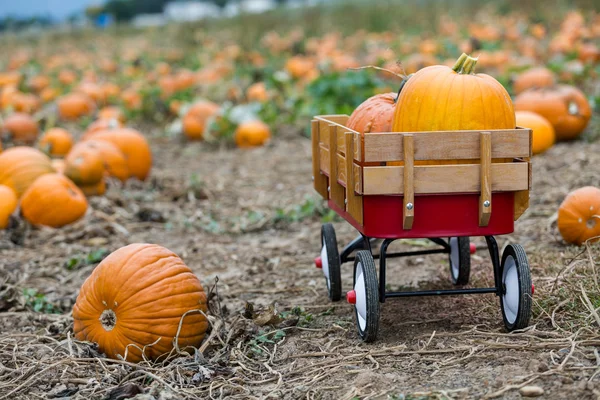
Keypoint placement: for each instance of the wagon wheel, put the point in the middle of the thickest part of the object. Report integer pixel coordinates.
(365, 296)
(460, 260)
(330, 262)
(515, 300)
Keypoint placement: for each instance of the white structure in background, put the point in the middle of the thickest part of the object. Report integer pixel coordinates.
(186, 11)
(234, 8)
(148, 20)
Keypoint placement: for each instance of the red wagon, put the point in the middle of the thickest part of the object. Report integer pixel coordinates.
(439, 185)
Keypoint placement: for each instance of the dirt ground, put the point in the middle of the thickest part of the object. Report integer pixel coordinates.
(218, 209)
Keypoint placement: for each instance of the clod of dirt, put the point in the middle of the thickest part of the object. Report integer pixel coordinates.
(150, 215)
(531, 391)
(126, 391)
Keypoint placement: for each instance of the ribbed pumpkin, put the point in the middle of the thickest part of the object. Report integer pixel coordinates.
(56, 142)
(537, 77)
(75, 105)
(439, 98)
(134, 147)
(84, 165)
(137, 297)
(543, 132)
(53, 200)
(21, 128)
(8, 205)
(252, 134)
(20, 166)
(566, 107)
(194, 121)
(579, 215)
(114, 161)
(374, 115)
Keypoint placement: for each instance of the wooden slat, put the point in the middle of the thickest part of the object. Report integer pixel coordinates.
(409, 192)
(337, 192)
(319, 179)
(341, 167)
(326, 120)
(456, 145)
(354, 204)
(521, 203)
(485, 198)
(431, 179)
(324, 151)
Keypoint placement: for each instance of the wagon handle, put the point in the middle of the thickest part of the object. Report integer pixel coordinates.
(485, 199)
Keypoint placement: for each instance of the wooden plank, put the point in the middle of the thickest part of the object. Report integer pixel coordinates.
(325, 121)
(324, 158)
(455, 145)
(337, 192)
(432, 179)
(319, 179)
(341, 168)
(485, 198)
(409, 193)
(521, 203)
(354, 203)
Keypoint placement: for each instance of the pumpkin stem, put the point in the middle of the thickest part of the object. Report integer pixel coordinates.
(108, 319)
(465, 64)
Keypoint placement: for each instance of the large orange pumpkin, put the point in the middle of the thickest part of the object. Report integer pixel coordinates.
(53, 200)
(101, 125)
(21, 128)
(374, 114)
(84, 165)
(134, 147)
(194, 121)
(564, 106)
(440, 98)
(537, 77)
(8, 205)
(137, 297)
(579, 215)
(21, 166)
(543, 132)
(252, 134)
(114, 161)
(56, 142)
(75, 105)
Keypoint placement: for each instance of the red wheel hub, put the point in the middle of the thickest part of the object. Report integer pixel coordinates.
(532, 289)
(351, 297)
(472, 248)
(318, 262)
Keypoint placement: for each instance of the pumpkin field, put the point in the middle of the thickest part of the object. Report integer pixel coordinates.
(159, 226)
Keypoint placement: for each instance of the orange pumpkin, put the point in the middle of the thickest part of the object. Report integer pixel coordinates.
(533, 78)
(543, 132)
(56, 142)
(97, 189)
(75, 105)
(134, 147)
(114, 161)
(194, 121)
(20, 166)
(440, 98)
(252, 134)
(101, 125)
(84, 166)
(137, 297)
(20, 128)
(579, 215)
(8, 205)
(111, 112)
(67, 77)
(257, 92)
(566, 107)
(53, 200)
(26, 102)
(374, 114)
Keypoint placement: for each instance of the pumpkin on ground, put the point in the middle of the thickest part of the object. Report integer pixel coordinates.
(20, 128)
(440, 98)
(252, 134)
(56, 142)
(579, 215)
(95, 189)
(138, 297)
(20, 166)
(566, 107)
(8, 205)
(537, 77)
(101, 125)
(195, 120)
(134, 147)
(53, 200)
(84, 165)
(75, 105)
(543, 132)
(114, 161)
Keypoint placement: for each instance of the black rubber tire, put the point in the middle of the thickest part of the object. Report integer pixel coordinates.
(334, 283)
(524, 283)
(371, 329)
(464, 261)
